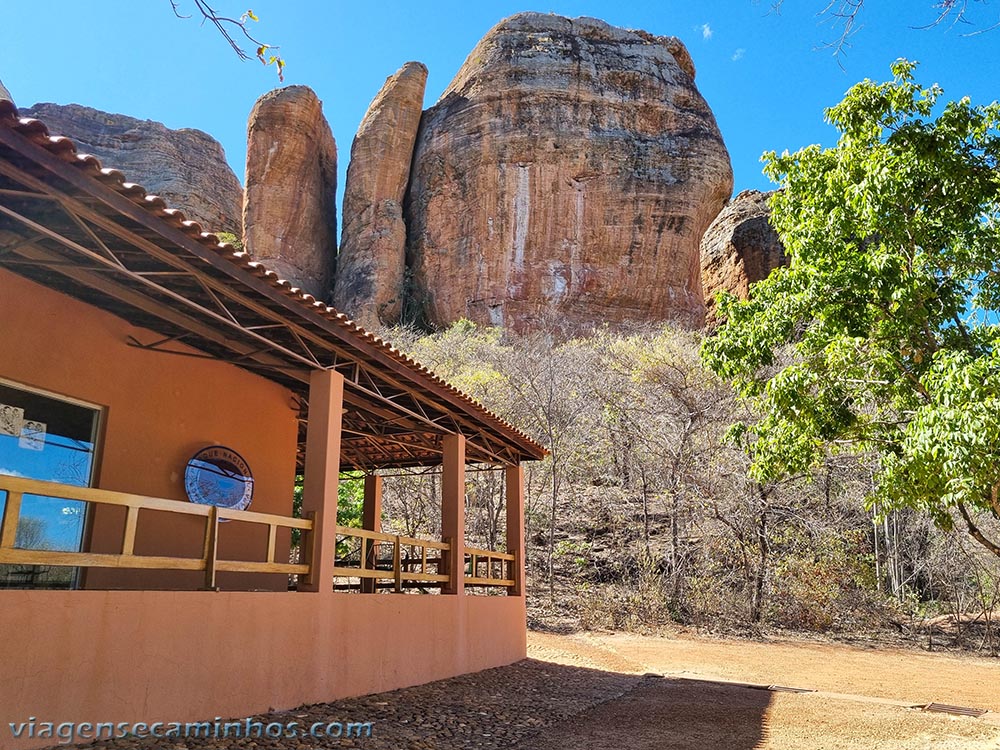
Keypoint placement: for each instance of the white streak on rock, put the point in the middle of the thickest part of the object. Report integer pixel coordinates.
(522, 210)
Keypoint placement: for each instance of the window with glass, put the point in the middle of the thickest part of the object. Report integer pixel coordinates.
(53, 439)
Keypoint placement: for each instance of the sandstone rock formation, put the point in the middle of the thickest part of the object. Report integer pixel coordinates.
(739, 248)
(372, 261)
(185, 167)
(289, 207)
(568, 172)
(4, 93)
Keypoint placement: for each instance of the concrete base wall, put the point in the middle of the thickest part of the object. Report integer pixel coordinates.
(146, 656)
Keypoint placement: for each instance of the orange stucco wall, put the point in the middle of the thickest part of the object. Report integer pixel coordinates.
(159, 655)
(99, 656)
(158, 410)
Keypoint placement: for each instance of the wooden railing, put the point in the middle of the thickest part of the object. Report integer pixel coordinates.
(374, 556)
(370, 556)
(487, 568)
(16, 488)
(401, 560)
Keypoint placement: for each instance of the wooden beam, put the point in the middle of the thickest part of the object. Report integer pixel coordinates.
(98, 560)
(362, 399)
(14, 484)
(313, 326)
(160, 311)
(478, 581)
(70, 206)
(369, 349)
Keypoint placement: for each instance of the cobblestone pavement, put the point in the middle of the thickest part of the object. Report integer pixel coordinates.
(496, 708)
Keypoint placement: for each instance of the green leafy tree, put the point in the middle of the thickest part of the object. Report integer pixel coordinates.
(881, 335)
(350, 503)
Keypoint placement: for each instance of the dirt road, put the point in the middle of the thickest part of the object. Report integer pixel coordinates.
(710, 696)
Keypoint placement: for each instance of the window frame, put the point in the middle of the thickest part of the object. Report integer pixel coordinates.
(98, 437)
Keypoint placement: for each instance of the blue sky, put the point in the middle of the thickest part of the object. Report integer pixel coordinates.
(764, 74)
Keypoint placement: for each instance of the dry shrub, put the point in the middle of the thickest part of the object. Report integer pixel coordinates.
(827, 584)
(639, 604)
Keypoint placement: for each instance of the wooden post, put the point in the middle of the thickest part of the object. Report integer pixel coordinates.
(272, 542)
(453, 512)
(9, 522)
(131, 522)
(514, 495)
(372, 514)
(211, 547)
(371, 519)
(322, 473)
(397, 566)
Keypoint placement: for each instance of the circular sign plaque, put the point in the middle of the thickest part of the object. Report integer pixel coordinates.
(219, 476)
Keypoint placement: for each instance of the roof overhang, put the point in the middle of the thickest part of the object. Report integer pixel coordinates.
(71, 225)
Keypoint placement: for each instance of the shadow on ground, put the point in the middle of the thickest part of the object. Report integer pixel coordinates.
(531, 705)
(664, 714)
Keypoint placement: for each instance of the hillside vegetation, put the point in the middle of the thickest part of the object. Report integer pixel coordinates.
(807, 464)
(644, 515)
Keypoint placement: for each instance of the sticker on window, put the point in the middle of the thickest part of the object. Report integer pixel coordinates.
(32, 435)
(11, 420)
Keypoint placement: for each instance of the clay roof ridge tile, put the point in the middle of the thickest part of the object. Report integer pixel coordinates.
(32, 128)
(8, 113)
(91, 162)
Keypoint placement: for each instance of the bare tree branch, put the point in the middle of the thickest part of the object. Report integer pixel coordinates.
(229, 27)
(975, 533)
(843, 13)
(846, 15)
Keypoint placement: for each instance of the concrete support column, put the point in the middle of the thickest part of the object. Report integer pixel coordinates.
(371, 520)
(514, 497)
(322, 474)
(453, 511)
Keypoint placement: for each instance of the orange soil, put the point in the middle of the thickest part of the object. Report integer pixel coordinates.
(862, 699)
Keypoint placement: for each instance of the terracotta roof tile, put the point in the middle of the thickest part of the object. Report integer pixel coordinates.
(65, 149)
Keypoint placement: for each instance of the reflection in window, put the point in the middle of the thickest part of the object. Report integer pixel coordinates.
(53, 440)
